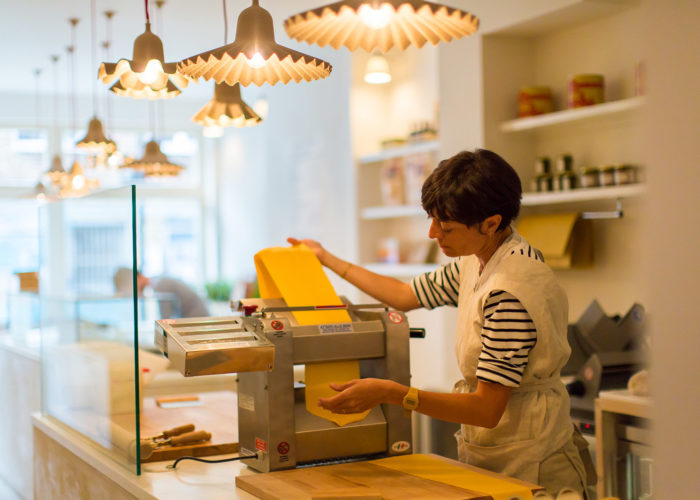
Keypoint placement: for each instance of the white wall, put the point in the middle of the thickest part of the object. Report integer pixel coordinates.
(671, 236)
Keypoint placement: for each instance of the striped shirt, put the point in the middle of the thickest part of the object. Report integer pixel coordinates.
(508, 333)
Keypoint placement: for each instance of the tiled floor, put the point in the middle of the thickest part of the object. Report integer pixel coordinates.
(6, 493)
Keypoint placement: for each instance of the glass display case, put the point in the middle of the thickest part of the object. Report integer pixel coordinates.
(101, 374)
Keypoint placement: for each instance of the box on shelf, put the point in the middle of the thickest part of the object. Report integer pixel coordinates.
(417, 167)
(392, 182)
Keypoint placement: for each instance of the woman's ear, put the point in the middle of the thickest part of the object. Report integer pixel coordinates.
(490, 224)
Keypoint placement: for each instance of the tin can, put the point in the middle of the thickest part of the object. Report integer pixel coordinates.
(567, 181)
(625, 174)
(607, 175)
(543, 165)
(534, 101)
(586, 90)
(565, 163)
(590, 177)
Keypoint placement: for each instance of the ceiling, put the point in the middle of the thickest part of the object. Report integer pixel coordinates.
(37, 29)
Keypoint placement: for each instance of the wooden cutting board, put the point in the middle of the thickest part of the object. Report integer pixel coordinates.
(359, 480)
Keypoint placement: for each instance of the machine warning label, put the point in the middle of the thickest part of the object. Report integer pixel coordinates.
(283, 448)
(395, 317)
(246, 401)
(336, 328)
(400, 446)
(260, 444)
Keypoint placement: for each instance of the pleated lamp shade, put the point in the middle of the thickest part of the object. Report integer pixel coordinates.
(154, 163)
(95, 139)
(147, 75)
(227, 109)
(380, 24)
(254, 56)
(56, 172)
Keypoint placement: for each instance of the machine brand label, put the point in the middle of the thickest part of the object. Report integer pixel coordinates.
(260, 444)
(400, 446)
(246, 402)
(276, 325)
(336, 328)
(395, 317)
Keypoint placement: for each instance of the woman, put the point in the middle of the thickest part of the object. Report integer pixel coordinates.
(511, 336)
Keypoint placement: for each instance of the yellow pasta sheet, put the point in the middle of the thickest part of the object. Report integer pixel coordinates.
(438, 470)
(296, 275)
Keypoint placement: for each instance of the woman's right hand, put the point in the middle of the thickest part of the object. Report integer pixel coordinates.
(320, 252)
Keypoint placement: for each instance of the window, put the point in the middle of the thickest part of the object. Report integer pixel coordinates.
(23, 156)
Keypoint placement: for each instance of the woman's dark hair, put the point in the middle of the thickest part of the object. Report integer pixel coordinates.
(471, 186)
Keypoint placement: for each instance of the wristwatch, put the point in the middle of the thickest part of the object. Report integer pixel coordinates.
(410, 401)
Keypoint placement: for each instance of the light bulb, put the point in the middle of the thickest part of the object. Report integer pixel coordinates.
(256, 61)
(78, 182)
(377, 70)
(151, 73)
(376, 17)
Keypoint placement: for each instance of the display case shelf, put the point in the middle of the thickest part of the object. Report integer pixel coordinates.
(392, 212)
(589, 194)
(573, 115)
(397, 152)
(400, 270)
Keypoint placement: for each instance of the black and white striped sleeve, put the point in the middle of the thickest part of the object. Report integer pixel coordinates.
(439, 287)
(507, 337)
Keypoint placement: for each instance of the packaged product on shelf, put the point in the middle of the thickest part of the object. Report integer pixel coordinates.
(392, 182)
(543, 165)
(565, 163)
(590, 177)
(607, 175)
(545, 183)
(393, 142)
(566, 181)
(586, 90)
(416, 169)
(533, 101)
(625, 174)
(388, 251)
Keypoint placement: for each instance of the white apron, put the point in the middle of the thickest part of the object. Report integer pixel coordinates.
(533, 440)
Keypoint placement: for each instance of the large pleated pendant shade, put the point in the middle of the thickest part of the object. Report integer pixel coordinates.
(254, 56)
(227, 109)
(380, 24)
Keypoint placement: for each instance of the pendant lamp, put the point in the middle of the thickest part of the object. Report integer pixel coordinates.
(380, 24)
(154, 163)
(254, 56)
(227, 109)
(95, 140)
(146, 75)
(377, 70)
(56, 171)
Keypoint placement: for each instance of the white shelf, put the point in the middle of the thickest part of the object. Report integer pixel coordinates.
(573, 115)
(397, 152)
(400, 270)
(590, 194)
(392, 212)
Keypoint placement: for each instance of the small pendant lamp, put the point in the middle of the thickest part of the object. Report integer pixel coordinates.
(380, 24)
(56, 172)
(227, 109)
(377, 70)
(254, 56)
(147, 75)
(154, 163)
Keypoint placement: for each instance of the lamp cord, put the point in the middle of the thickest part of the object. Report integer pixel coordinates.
(56, 138)
(37, 97)
(93, 53)
(225, 24)
(148, 19)
(71, 56)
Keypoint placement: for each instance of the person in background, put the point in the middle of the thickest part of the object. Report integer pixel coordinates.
(188, 303)
(511, 338)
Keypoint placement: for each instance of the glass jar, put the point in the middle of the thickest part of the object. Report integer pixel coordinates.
(565, 163)
(567, 181)
(590, 177)
(545, 183)
(607, 175)
(625, 174)
(543, 165)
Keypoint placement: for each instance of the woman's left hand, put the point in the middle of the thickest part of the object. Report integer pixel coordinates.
(356, 396)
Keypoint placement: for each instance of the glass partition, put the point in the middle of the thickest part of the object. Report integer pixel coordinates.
(90, 366)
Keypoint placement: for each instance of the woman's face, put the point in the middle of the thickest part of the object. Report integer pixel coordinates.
(456, 239)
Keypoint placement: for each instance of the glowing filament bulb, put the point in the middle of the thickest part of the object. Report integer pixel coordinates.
(78, 182)
(376, 17)
(151, 73)
(256, 61)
